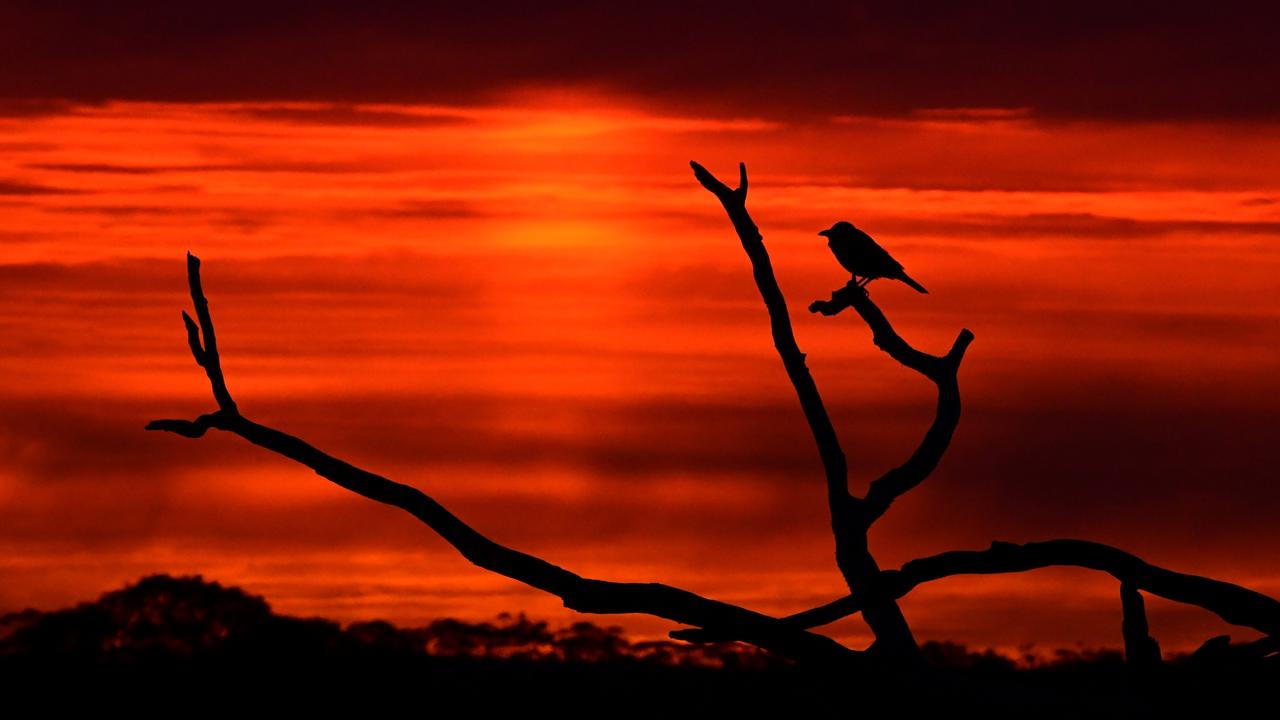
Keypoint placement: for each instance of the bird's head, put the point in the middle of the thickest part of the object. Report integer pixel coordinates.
(840, 229)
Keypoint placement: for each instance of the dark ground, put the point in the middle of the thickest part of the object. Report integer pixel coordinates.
(181, 645)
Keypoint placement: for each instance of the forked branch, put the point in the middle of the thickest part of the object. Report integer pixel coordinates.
(942, 370)
(734, 201)
(1233, 603)
(578, 593)
(849, 515)
(872, 592)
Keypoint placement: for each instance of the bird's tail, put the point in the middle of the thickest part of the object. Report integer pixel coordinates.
(907, 279)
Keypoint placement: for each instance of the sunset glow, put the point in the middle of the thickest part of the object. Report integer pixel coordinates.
(525, 306)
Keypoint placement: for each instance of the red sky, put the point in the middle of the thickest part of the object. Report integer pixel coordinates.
(470, 255)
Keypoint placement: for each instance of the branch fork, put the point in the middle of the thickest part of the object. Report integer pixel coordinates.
(577, 592)
(873, 592)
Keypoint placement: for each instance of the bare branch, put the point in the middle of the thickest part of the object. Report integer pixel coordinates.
(577, 592)
(207, 357)
(193, 338)
(187, 428)
(942, 370)
(848, 515)
(1235, 604)
(1141, 651)
(784, 339)
(888, 339)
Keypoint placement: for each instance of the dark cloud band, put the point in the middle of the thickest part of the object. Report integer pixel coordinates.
(1137, 60)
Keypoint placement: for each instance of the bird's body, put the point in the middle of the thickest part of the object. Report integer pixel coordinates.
(863, 256)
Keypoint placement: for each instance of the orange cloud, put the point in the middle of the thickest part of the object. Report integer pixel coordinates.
(531, 311)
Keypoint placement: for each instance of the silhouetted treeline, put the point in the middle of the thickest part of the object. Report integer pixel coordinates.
(161, 617)
(174, 618)
(164, 638)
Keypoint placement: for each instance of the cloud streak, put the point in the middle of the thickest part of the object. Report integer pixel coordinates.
(534, 315)
(1143, 61)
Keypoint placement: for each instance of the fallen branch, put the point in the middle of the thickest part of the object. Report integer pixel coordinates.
(578, 593)
(1235, 604)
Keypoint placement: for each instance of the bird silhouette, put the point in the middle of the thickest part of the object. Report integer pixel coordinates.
(862, 256)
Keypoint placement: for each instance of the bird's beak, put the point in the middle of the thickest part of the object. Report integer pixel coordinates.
(825, 233)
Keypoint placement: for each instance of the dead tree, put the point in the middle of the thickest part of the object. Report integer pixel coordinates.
(873, 592)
